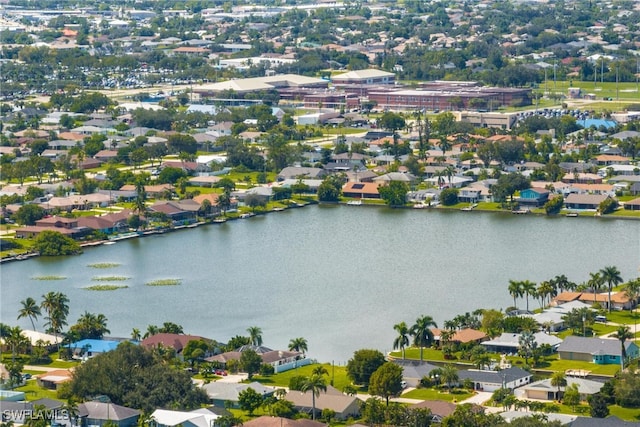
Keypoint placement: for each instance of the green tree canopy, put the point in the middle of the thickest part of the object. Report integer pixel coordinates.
(135, 377)
(386, 381)
(54, 243)
(363, 364)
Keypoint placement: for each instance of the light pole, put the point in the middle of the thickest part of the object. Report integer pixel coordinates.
(584, 330)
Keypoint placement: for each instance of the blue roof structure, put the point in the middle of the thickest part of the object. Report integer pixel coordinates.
(597, 123)
(95, 346)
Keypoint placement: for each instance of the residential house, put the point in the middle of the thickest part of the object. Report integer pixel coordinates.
(440, 409)
(180, 212)
(312, 184)
(197, 418)
(67, 226)
(601, 351)
(343, 405)
(189, 167)
(510, 378)
(361, 190)
(387, 178)
(153, 191)
(98, 414)
(584, 201)
(221, 392)
(610, 421)
(110, 223)
(53, 380)
(175, 341)
(292, 172)
(633, 205)
(543, 390)
(534, 197)
(413, 370)
(462, 336)
(609, 159)
(281, 360)
(509, 343)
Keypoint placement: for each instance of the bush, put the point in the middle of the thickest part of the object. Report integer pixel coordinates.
(449, 196)
(266, 370)
(295, 383)
(607, 206)
(554, 205)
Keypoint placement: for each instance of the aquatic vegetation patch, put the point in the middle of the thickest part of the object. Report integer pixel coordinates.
(48, 278)
(164, 282)
(104, 265)
(109, 287)
(109, 278)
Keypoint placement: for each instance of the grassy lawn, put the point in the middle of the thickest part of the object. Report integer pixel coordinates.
(33, 392)
(414, 353)
(338, 373)
(624, 317)
(456, 395)
(554, 364)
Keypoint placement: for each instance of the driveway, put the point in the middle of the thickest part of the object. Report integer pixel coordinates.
(479, 398)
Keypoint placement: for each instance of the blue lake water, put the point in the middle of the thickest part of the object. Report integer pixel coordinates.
(340, 276)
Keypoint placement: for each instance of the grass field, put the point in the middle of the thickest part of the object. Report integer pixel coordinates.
(337, 374)
(456, 395)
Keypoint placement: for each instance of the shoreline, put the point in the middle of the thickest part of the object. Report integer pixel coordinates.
(139, 234)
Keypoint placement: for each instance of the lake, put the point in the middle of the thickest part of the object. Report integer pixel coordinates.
(339, 276)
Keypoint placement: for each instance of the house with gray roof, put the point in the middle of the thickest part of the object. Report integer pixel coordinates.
(293, 172)
(220, 392)
(343, 405)
(414, 370)
(510, 378)
(101, 413)
(611, 421)
(198, 418)
(510, 343)
(601, 351)
(544, 390)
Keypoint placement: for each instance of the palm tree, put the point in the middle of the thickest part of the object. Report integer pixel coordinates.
(515, 290)
(319, 370)
(255, 335)
(135, 334)
(30, 309)
(315, 384)
(632, 291)
(449, 375)
(562, 283)
(545, 289)
(529, 288)
(56, 304)
(151, 331)
(298, 344)
(595, 282)
(558, 380)
(611, 276)
(402, 340)
(623, 333)
(421, 331)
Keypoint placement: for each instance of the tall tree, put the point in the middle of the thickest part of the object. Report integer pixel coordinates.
(558, 380)
(623, 334)
(528, 288)
(421, 331)
(31, 310)
(255, 334)
(298, 344)
(402, 339)
(386, 381)
(56, 304)
(611, 276)
(449, 375)
(515, 290)
(315, 384)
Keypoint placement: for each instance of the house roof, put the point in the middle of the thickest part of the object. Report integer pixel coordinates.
(199, 418)
(57, 376)
(106, 411)
(463, 335)
(611, 421)
(567, 296)
(508, 339)
(437, 407)
(331, 399)
(494, 377)
(584, 386)
(230, 391)
(585, 199)
(95, 346)
(574, 344)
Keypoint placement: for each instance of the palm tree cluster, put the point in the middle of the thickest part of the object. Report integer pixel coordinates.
(89, 326)
(544, 291)
(420, 331)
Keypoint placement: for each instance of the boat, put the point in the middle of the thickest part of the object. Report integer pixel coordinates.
(220, 220)
(247, 215)
(521, 211)
(354, 202)
(110, 243)
(278, 209)
(419, 206)
(571, 215)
